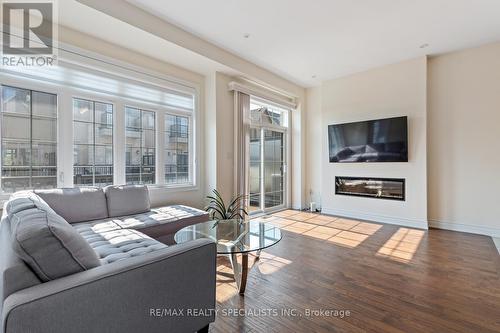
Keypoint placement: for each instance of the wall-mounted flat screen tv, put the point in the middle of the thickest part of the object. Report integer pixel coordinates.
(382, 140)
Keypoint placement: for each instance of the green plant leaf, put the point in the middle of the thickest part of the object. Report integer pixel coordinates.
(215, 209)
(220, 199)
(236, 207)
(217, 202)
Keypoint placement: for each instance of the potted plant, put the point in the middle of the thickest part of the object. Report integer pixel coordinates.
(218, 210)
(229, 218)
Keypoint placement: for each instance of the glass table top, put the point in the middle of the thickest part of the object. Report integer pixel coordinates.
(232, 236)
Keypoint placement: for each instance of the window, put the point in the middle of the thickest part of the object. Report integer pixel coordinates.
(92, 143)
(140, 146)
(267, 115)
(38, 150)
(29, 139)
(176, 156)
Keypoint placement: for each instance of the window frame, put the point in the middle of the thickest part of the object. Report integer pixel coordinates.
(65, 95)
(140, 109)
(191, 148)
(38, 89)
(113, 137)
(160, 112)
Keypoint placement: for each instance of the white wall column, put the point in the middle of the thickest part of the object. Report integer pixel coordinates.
(160, 147)
(65, 139)
(119, 143)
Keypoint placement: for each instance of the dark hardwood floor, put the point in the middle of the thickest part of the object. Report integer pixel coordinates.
(389, 279)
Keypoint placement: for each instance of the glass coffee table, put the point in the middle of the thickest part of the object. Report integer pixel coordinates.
(234, 237)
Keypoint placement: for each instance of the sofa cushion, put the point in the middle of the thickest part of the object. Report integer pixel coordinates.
(18, 204)
(143, 220)
(159, 216)
(98, 226)
(24, 200)
(121, 244)
(49, 245)
(76, 204)
(127, 199)
(180, 211)
(15, 273)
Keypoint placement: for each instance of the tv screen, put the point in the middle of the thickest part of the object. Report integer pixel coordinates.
(382, 140)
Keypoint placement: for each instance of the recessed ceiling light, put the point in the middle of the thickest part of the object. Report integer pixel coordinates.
(246, 35)
(423, 46)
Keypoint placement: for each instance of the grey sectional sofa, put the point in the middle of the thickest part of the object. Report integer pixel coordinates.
(101, 260)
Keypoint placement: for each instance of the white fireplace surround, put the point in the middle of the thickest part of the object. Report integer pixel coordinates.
(361, 97)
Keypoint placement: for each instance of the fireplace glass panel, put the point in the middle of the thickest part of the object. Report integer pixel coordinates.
(380, 188)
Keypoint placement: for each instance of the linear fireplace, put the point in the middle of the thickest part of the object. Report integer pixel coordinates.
(379, 188)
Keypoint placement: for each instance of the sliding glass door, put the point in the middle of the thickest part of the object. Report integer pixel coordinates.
(267, 169)
(274, 166)
(268, 156)
(255, 178)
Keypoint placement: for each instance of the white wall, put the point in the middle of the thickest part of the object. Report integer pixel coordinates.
(210, 143)
(225, 136)
(298, 163)
(464, 140)
(218, 142)
(394, 90)
(314, 141)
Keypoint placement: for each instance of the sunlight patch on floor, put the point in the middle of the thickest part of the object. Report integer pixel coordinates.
(322, 219)
(280, 222)
(298, 227)
(226, 286)
(286, 213)
(269, 264)
(344, 224)
(322, 232)
(266, 264)
(339, 231)
(402, 245)
(366, 228)
(348, 239)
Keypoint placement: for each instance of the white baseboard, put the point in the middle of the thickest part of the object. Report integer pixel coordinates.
(497, 243)
(472, 229)
(412, 223)
(420, 224)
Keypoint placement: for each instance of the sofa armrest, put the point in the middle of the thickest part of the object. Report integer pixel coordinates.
(170, 290)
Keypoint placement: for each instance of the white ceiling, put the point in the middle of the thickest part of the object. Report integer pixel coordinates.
(331, 38)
